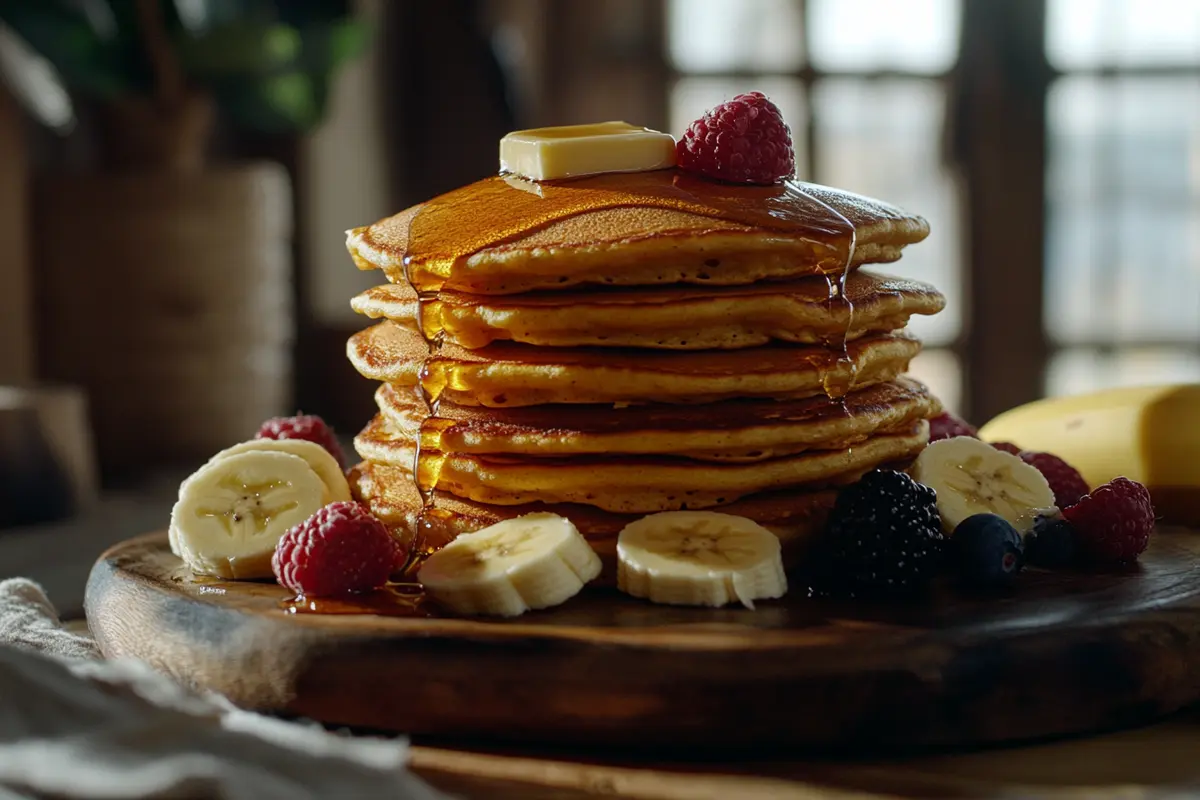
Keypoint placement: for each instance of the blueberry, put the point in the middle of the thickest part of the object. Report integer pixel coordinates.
(1051, 543)
(987, 551)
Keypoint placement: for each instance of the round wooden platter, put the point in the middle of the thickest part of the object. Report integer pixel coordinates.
(1063, 652)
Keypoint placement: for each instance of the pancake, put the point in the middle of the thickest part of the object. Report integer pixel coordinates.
(507, 374)
(628, 484)
(796, 516)
(731, 430)
(503, 235)
(683, 318)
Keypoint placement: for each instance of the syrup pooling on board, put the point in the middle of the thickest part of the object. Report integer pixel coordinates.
(393, 600)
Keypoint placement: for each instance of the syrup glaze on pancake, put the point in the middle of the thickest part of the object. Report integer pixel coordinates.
(683, 318)
(504, 234)
(733, 430)
(628, 484)
(796, 515)
(507, 374)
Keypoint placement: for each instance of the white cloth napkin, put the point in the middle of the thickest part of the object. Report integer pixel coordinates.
(75, 726)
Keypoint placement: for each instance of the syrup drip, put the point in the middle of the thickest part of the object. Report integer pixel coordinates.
(394, 600)
(427, 457)
(838, 386)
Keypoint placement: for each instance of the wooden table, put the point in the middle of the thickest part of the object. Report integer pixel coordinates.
(1159, 761)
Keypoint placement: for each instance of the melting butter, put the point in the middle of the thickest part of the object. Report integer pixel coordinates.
(572, 151)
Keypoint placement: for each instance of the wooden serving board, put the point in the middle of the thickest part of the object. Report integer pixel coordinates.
(1063, 652)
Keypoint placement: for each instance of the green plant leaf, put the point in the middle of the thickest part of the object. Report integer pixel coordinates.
(66, 39)
(326, 47)
(243, 50)
(285, 103)
(34, 82)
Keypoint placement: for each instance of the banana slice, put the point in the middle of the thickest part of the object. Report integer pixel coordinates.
(972, 477)
(699, 558)
(320, 459)
(232, 512)
(535, 561)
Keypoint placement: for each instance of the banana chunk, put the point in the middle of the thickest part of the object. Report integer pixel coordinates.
(232, 512)
(535, 561)
(699, 558)
(972, 477)
(320, 459)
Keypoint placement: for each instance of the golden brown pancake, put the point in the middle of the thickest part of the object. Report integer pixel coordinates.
(796, 516)
(730, 430)
(507, 374)
(503, 235)
(805, 311)
(629, 484)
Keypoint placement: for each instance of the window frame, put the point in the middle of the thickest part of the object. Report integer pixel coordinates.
(808, 76)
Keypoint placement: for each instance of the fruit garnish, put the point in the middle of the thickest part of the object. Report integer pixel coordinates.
(699, 558)
(1051, 543)
(986, 550)
(1149, 434)
(308, 427)
(947, 426)
(884, 537)
(319, 458)
(535, 561)
(572, 151)
(1007, 447)
(232, 511)
(1065, 481)
(341, 549)
(743, 140)
(1112, 524)
(972, 477)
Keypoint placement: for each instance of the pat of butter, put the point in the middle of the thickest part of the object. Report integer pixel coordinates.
(569, 151)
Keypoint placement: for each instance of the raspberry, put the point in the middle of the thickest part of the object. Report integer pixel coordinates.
(1007, 447)
(338, 550)
(1065, 481)
(947, 426)
(744, 140)
(1113, 523)
(884, 535)
(304, 426)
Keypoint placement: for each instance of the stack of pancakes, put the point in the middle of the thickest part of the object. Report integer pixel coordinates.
(610, 347)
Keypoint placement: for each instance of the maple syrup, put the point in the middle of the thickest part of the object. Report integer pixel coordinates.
(440, 238)
(402, 599)
(427, 456)
(447, 230)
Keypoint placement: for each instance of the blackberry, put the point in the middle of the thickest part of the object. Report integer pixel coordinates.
(884, 536)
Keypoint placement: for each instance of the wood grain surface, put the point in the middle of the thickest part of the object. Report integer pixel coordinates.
(1063, 653)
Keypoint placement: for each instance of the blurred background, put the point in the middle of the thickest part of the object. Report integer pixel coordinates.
(176, 177)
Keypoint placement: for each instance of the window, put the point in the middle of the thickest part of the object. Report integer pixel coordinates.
(1122, 276)
(861, 82)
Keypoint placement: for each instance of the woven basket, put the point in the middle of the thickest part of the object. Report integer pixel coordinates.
(168, 297)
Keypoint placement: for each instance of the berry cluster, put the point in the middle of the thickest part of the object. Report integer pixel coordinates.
(884, 534)
(341, 549)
